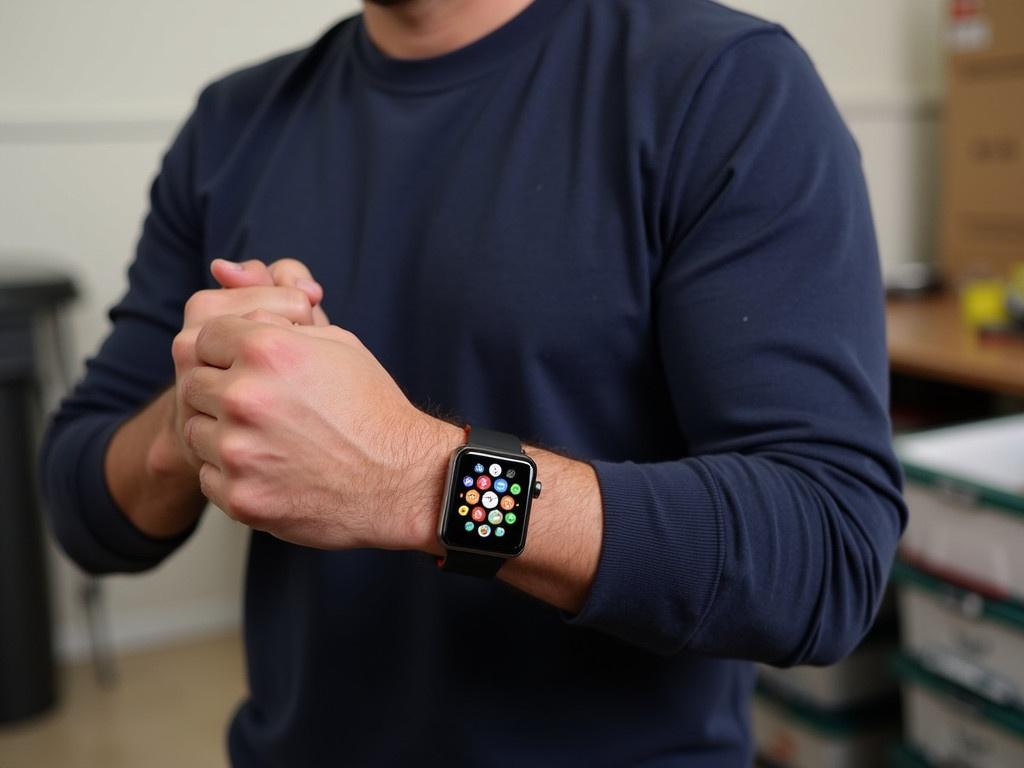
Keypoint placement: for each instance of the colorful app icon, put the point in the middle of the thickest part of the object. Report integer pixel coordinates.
(463, 510)
(472, 496)
(494, 470)
(515, 489)
(510, 518)
(479, 514)
(499, 531)
(507, 503)
(494, 517)
(501, 485)
(510, 474)
(483, 482)
(470, 525)
(490, 500)
(484, 531)
(479, 469)
(467, 481)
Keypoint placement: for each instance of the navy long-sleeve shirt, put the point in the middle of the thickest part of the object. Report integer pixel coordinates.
(633, 230)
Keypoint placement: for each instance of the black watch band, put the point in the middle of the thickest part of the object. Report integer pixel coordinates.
(473, 563)
(498, 441)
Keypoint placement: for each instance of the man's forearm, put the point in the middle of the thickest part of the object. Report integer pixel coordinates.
(153, 485)
(564, 541)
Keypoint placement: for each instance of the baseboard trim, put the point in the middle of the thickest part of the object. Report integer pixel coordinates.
(148, 629)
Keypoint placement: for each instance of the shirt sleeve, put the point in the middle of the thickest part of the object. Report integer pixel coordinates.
(132, 366)
(773, 538)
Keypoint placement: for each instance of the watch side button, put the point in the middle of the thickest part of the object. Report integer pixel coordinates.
(537, 488)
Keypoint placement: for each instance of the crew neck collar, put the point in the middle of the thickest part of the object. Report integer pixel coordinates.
(461, 65)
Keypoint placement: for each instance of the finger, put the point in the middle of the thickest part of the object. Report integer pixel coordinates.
(320, 318)
(234, 274)
(201, 388)
(201, 437)
(219, 342)
(294, 274)
(264, 316)
(212, 484)
(290, 302)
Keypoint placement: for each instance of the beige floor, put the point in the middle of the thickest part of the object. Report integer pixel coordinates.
(169, 708)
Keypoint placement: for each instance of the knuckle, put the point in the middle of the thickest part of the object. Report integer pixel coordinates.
(242, 402)
(241, 504)
(289, 267)
(234, 454)
(261, 315)
(182, 347)
(299, 308)
(260, 346)
(199, 304)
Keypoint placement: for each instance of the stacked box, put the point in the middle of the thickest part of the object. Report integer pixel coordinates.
(791, 734)
(846, 714)
(981, 224)
(949, 725)
(960, 586)
(861, 680)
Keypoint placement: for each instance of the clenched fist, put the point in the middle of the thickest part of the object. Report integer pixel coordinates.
(302, 433)
(285, 288)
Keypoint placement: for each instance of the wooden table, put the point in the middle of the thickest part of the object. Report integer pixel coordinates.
(928, 340)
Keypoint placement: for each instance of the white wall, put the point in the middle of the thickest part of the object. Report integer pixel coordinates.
(91, 92)
(883, 62)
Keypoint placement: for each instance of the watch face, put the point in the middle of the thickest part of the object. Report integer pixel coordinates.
(488, 502)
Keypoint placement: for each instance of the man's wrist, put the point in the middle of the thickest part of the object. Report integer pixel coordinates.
(437, 440)
(165, 458)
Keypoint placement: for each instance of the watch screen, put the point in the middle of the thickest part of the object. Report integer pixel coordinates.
(488, 502)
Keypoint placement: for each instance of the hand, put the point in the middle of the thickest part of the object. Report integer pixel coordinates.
(291, 302)
(304, 434)
(285, 273)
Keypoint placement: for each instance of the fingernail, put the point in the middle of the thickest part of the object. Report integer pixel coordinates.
(305, 284)
(234, 265)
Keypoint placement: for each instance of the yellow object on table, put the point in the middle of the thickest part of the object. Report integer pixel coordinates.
(983, 304)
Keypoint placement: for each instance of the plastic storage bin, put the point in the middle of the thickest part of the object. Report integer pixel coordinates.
(969, 639)
(965, 490)
(794, 735)
(949, 725)
(860, 678)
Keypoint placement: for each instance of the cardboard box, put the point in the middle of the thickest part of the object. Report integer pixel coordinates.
(982, 211)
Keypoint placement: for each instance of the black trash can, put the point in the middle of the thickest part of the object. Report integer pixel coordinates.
(27, 679)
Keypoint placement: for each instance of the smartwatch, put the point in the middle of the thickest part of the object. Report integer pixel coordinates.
(486, 504)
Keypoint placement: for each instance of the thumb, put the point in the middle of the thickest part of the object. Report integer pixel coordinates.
(233, 274)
